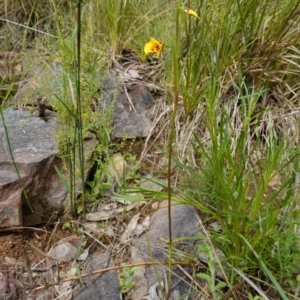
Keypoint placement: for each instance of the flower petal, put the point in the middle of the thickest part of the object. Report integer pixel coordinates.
(153, 46)
(191, 13)
(148, 48)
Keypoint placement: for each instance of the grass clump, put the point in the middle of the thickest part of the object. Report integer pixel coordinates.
(240, 151)
(251, 192)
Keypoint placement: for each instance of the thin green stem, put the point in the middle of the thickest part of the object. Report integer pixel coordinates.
(70, 164)
(78, 106)
(170, 143)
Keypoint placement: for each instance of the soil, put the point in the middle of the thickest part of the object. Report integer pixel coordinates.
(23, 257)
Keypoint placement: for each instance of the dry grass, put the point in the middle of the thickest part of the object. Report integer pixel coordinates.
(22, 21)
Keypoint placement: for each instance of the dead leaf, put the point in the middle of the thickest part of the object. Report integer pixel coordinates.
(129, 231)
(99, 216)
(140, 228)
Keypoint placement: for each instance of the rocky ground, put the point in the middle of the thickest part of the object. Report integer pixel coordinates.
(45, 255)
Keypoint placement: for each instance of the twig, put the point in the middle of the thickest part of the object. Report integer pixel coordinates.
(150, 263)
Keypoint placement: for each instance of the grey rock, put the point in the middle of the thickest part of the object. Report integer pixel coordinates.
(98, 261)
(63, 252)
(132, 108)
(10, 209)
(103, 286)
(184, 224)
(109, 90)
(34, 150)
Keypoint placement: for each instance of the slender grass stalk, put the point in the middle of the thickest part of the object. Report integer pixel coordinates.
(71, 166)
(76, 145)
(28, 28)
(175, 53)
(79, 121)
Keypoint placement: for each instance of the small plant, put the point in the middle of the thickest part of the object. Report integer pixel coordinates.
(99, 182)
(294, 285)
(250, 297)
(126, 279)
(214, 287)
(131, 171)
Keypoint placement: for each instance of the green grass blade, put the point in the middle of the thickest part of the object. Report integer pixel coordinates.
(266, 270)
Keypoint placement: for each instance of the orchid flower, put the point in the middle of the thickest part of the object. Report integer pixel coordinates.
(191, 13)
(153, 46)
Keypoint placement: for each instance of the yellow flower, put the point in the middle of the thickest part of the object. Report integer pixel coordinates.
(191, 13)
(153, 47)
